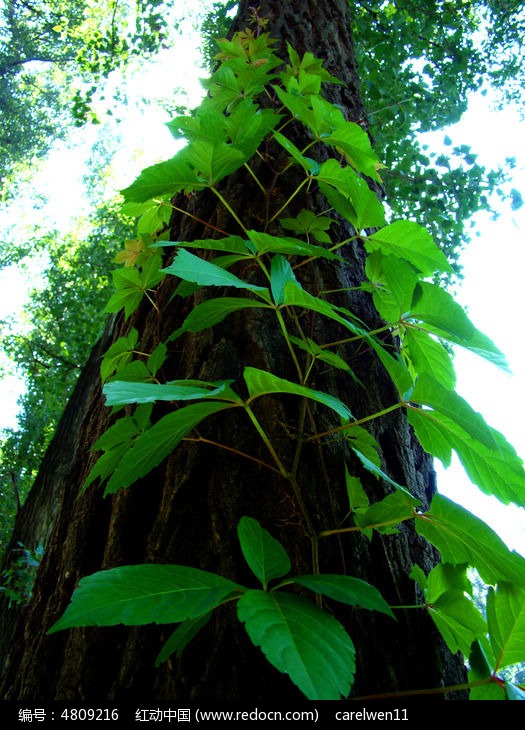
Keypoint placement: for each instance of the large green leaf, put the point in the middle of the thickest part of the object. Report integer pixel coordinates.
(165, 178)
(393, 282)
(295, 295)
(262, 382)
(437, 311)
(346, 589)
(264, 554)
(410, 241)
(265, 243)
(205, 273)
(228, 244)
(428, 355)
(458, 620)
(120, 393)
(461, 538)
(506, 623)
(385, 515)
(212, 311)
(213, 160)
(158, 442)
(354, 142)
(428, 392)
(302, 641)
(143, 594)
(495, 470)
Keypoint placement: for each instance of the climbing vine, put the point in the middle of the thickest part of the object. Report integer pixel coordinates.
(256, 103)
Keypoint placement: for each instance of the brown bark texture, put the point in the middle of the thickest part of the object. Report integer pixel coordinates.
(187, 509)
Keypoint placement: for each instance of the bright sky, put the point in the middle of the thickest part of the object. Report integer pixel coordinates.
(493, 265)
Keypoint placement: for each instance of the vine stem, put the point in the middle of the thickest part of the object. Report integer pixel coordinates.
(193, 217)
(264, 436)
(203, 440)
(356, 528)
(347, 426)
(292, 196)
(229, 209)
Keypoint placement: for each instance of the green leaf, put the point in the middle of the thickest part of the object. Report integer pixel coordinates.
(302, 641)
(506, 623)
(120, 393)
(396, 369)
(264, 554)
(141, 594)
(372, 467)
(438, 312)
(212, 311)
(346, 589)
(165, 178)
(354, 142)
(393, 282)
(427, 355)
(265, 243)
(433, 437)
(461, 538)
(357, 497)
(181, 637)
(205, 273)
(280, 273)
(228, 244)
(261, 382)
(295, 295)
(213, 160)
(309, 166)
(118, 354)
(413, 243)
(158, 442)
(310, 224)
(318, 353)
(129, 291)
(458, 620)
(361, 440)
(496, 471)
(445, 577)
(386, 515)
(428, 392)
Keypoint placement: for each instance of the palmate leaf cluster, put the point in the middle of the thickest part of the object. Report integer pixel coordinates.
(295, 634)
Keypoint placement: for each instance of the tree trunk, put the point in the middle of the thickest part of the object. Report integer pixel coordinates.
(187, 509)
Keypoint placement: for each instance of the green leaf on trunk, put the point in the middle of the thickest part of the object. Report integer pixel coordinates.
(280, 273)
(141, 594)
(385, 515)
(346, 589)
(264, 554)
(302, 641)
(165, 178)
(262, 382)
(181, 637)
(205, 273)
(120, 393)
(155, 444)
(212, 311)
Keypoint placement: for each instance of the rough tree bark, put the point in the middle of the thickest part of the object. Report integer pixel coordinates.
(187, 509)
